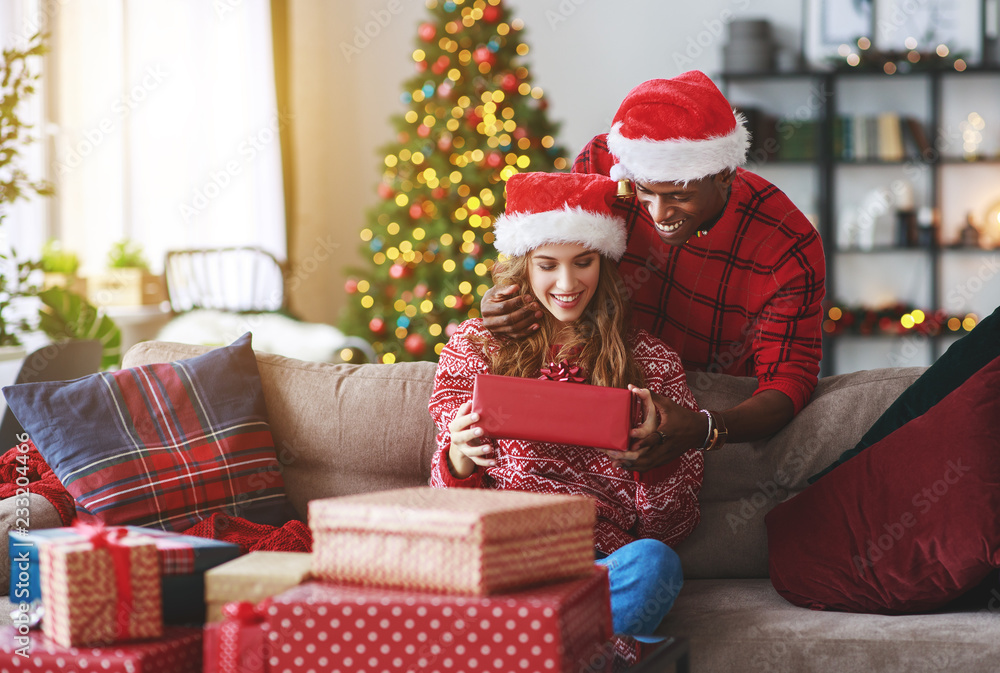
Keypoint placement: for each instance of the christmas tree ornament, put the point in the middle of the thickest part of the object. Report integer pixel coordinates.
(484, 55)
(351, 286)
(415, 344)
(377, 325)
(427, 31)
(416, 211)
(397, 271)
(509, 82)
(385, 191)
(491, 14)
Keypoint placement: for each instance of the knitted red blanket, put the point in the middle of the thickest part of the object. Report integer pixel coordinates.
(293, 536)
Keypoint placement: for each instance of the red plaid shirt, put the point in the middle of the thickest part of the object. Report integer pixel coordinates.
(745, 299)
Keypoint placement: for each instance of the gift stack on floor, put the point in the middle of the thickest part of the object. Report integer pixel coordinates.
(446, 580)
(103, 591)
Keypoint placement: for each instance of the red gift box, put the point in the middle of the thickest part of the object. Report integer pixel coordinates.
(455, 540)
(178, 651)
(328, 627)
(238, 643)
(558, 412)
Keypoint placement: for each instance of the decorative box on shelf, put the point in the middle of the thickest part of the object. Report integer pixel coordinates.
(467, 541)
(125, 287)
(73, 283)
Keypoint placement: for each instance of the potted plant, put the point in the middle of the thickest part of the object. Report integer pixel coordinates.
(60, 268)
(127, 281)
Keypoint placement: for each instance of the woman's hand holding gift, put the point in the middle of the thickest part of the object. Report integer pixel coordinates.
(469, 448)
(667, 432)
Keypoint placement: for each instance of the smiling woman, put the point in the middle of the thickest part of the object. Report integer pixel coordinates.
(167, 129)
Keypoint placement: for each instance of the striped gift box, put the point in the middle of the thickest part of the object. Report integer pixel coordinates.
(463, 541)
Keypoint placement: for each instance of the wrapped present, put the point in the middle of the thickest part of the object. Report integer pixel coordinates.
(328, 627)
(183, 562)
(177, 651)
(238, 643)
(471, 541)
(556, 411)
(253, 577)
(102, 589)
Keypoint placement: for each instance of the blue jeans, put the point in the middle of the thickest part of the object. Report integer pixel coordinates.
(645, 580)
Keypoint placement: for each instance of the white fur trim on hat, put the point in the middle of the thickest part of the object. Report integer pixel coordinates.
(519, 233)
(677, 160)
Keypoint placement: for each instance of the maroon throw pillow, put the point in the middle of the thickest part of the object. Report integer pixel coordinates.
(906, 526)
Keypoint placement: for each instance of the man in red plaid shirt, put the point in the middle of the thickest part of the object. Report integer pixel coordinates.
(720, 264)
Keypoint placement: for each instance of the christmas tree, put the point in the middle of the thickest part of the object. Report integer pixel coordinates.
(473, 120)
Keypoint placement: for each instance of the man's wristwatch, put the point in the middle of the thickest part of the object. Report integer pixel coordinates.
(717, 431)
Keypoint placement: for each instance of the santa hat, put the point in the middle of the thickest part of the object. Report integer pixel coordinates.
(560, 208)
(676, 130)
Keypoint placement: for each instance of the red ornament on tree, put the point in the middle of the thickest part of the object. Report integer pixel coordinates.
(491, 14)
(416, 211)
(484, 55)
(376, 325)
(494, 159)
(427, 31)
(473, 118)
(415, 344)
(440, 65)
(444, 142)
(397, 271)
(423, 131)
(438, 193)
(421, 66)
(351, 286)
(509, 82)
(385, 191)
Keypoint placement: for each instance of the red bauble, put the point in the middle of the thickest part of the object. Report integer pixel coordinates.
(416, 211)
(438, 192)
(491, 14)
(494, 159)
(420, 290)
(397, 271)
(445, 89)
(484, 55)
(438, 69)
(415, 344)
(385, 191)
(421, 66)
(444, 143)
(473, 118)
(519, 132)
(427, 31)
(351, 286)
(403, 137)
(376, 325)
(509, 82)
(423, 131)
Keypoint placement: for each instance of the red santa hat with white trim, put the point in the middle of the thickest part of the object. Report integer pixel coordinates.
(560, 208)
(676, 130)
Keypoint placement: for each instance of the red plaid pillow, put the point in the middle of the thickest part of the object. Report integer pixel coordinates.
(163, 445)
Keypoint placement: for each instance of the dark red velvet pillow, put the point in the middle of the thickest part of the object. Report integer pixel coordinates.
(907, 525)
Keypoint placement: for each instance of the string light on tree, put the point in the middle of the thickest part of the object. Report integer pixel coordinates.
(473, 118)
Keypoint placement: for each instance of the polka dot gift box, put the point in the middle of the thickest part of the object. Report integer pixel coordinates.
(467, 541)
(178, 651)
(560, 627)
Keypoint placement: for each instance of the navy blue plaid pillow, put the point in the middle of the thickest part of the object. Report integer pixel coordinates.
(162, 445)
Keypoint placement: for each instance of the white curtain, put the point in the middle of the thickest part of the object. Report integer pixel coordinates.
(167, 126)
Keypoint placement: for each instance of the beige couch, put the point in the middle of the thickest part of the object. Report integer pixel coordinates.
(343, 429)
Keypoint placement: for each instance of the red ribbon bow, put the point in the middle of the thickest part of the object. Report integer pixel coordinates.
(563, 371)
(121, 560)
(233, 654)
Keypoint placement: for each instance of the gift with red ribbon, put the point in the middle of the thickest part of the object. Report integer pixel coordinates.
(102, 589)
(558, 409)
(237, 644)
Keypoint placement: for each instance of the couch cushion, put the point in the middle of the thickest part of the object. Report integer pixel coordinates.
(744, 481)
(339, 429)
(160, 445)
(744, 625)
(962, 359)
(908, 525)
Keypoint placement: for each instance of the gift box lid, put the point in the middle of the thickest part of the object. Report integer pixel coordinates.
(179, 554)
(479, 514)
(256, 576)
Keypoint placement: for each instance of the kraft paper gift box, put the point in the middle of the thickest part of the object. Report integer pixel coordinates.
(177, 651)
(560, 627)
(559, 412)
(238, 643)
(102, 589)
(254, 577)
(458, 540)
(183, 562)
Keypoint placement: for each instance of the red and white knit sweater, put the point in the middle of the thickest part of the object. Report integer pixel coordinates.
(660, 503)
